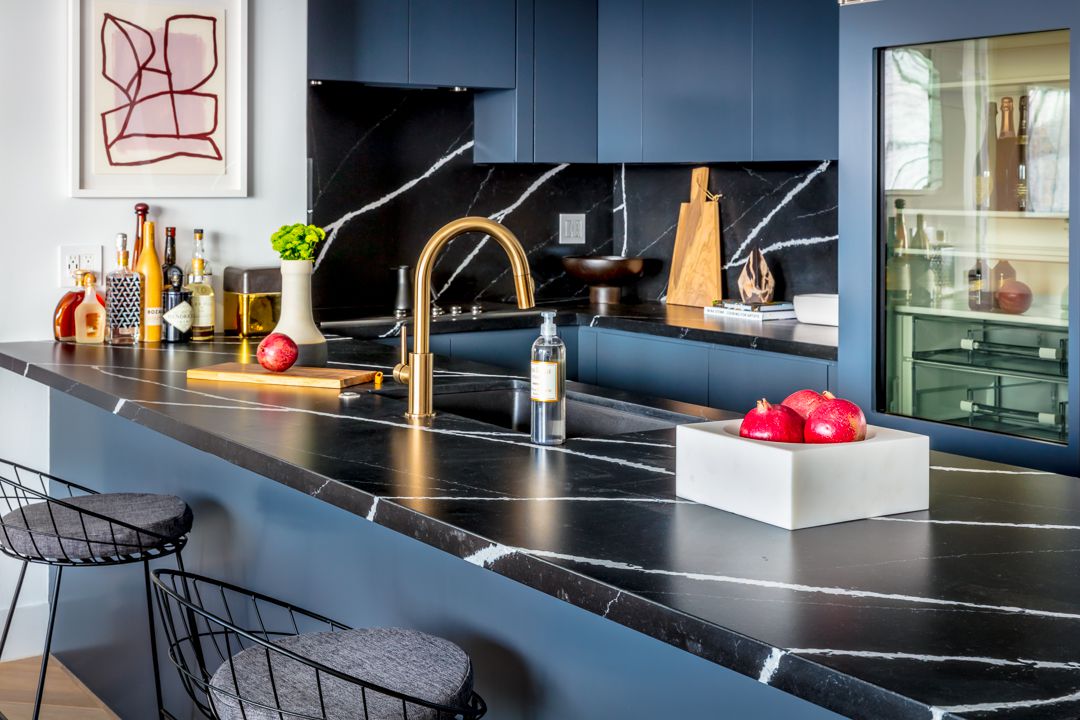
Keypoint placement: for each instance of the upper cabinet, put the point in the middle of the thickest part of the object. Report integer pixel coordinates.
(717, 80)
(469, 43)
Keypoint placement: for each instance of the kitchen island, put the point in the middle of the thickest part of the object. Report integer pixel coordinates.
(967, 610)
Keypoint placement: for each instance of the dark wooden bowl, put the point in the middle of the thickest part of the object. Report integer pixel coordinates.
(609, 270)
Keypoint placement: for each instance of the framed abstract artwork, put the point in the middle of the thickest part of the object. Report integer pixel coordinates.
(158, 98)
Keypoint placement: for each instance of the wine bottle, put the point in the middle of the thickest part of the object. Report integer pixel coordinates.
(150, 302)
(123, 294)
(984, 163)
(202, 292)
(898, 270)
(1006, 161)
(169, 259)
(1021, 190)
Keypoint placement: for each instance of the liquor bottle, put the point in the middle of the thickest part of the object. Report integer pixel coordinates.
(176, 305)
(921, 273)
(123, 296)
(141, 211)
(90, 315)
(548, 385)
(984, 162)
(979, 296)
(898, 270)
(1006, 160)
(169, 259)
(1002, 272)
(202, 292)
(64, 314)
(150, 300)
(1021, 191)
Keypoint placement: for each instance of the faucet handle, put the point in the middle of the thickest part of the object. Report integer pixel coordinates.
(401, 371)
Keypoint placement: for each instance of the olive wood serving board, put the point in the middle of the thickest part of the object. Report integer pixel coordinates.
(295, 376)
(696, 270)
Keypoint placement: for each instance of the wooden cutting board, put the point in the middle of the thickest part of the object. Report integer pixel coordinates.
(696, 276)
(296, 376)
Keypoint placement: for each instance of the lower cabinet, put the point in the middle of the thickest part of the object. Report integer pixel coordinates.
(738, 378)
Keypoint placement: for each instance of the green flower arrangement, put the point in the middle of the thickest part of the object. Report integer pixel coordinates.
(297, 242)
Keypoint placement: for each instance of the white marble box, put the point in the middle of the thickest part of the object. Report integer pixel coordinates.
(795, 485)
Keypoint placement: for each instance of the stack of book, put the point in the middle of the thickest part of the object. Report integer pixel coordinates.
(757, 312)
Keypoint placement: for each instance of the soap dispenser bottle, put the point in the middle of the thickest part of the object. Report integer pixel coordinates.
(548, 386)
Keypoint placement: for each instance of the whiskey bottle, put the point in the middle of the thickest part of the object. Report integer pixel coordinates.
(176, 305)
(123, 293)
(90, 315)
(979, 296)
(1006, 160)
(141, 211)
(202, 292)
(64, 314)
(1021, 190)
(150, 303)
(984, 162)
(169, 259)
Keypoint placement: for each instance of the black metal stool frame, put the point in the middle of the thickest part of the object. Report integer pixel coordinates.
(31, 486)
(180, 598)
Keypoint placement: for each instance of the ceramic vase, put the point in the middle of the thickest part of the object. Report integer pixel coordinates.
(297, 319)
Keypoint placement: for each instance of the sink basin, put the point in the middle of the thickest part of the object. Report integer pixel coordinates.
(505, 404)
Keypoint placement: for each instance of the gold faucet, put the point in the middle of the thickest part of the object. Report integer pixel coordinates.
(416, 369)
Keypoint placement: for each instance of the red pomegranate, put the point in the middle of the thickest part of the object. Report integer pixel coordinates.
(776, 423)
(1014, 297)
(803, 401)
(277, 352)
(835, 421)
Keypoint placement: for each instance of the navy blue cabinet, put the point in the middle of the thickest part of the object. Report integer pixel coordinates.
(795, 79)
(470, 43)
(551, 115)
(672, 369)
(620, 68)
(359, 40)
(739, 378)
(696, 86)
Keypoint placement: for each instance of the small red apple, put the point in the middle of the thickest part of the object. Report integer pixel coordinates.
(803, 401)
(277, 352)
(776, 423)
(835, 421)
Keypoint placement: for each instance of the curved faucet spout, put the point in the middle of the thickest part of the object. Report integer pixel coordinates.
(417, 368)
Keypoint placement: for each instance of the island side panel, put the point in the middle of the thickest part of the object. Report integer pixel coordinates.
(535, 657)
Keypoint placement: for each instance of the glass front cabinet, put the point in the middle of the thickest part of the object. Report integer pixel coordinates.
(967, 202)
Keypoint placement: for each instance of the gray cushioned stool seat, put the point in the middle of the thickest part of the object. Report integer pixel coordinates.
(32, 530)
(406, 661)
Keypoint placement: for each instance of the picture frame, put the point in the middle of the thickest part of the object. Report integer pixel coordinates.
(150, 121)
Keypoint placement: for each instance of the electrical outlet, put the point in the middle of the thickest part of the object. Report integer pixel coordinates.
(571, 229)
(73, 257)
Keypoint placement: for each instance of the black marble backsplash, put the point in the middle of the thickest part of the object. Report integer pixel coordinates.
(390, 166)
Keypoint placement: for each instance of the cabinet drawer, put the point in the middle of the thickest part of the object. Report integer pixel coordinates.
(652, 366)
(737, 379)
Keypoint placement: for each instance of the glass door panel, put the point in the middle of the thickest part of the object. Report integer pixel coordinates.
(974, 235)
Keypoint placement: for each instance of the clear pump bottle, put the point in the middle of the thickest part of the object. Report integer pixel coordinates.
(548, 386)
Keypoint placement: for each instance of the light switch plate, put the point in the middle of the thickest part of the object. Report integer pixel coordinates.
(72, 257)
(572, 229)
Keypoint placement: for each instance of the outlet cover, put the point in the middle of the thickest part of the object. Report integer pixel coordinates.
(572, 229)
(73, 257)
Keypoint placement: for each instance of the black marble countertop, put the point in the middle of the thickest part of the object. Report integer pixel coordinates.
(673, 321)
(971, 609)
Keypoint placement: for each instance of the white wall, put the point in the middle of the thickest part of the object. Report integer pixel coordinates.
(38, 215)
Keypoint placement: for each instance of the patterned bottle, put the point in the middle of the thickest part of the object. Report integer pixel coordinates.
(123, 292)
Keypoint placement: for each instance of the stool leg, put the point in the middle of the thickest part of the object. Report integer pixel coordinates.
(48, 643)
(153, 639)
(11, 611)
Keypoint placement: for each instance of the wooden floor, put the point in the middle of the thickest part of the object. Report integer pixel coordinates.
(65, 697)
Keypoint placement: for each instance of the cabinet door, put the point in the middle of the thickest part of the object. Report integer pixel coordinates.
(564, 67)
(739, 378)
(464, 42)
(619, 69)
(673, 369)
(795, 79)
(697, 80)
(359, 40)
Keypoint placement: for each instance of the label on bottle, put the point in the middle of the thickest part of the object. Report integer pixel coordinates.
(152, 317)
(545, 381)
(180, 317)
(203, 309)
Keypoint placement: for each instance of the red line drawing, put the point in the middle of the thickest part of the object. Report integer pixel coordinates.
(160, 113)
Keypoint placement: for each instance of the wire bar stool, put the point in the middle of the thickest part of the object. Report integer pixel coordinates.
(242, 655)
(54, 522)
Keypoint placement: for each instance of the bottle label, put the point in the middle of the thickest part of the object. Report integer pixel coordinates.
(545, 381)
(203, 309)
(152, 317)
(180, 317)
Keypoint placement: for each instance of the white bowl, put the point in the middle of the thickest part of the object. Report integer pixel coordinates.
(817, 309)
(797, 485)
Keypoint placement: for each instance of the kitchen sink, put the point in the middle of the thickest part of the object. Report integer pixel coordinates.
(506, 404)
